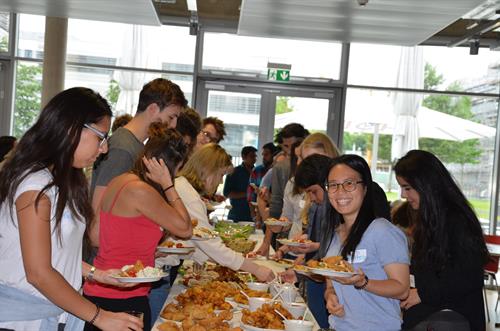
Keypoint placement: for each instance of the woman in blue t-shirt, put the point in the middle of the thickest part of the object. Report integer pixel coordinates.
(377, 250)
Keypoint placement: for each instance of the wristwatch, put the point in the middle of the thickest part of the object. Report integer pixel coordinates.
(90, 275)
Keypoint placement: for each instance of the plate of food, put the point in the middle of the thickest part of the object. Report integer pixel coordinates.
(202, 233)
(173, 247)
(294, 242)
(331, 266)
(274, 221)
(302, 269)
(137, 273)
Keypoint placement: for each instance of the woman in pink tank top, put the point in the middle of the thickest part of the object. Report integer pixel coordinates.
(135, 210)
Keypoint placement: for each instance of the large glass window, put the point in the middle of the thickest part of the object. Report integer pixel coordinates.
(28, 94)
(31, 36)
(312, 113)
(251, 55)
(460, 130)
(452, 68)
(120, 87)
(4, 31)
(161, 48)
(240, 113)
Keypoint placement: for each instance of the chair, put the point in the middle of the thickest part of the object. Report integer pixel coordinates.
(490, 270)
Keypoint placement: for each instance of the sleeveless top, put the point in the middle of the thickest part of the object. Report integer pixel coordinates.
(122, 241)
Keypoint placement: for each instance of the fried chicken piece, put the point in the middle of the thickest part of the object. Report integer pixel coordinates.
(168, 326)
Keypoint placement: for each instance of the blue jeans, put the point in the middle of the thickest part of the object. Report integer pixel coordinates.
(158, 296)
(315, 301)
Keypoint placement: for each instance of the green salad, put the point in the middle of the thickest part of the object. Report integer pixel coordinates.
(228, 231)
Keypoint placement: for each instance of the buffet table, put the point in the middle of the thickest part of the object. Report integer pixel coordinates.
(178, 287)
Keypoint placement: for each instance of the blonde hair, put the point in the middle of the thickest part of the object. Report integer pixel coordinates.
(205, 162)
(321, 141)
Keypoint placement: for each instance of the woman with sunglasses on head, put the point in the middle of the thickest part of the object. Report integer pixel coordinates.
(135, 207)
(44, 209)
(449, 252)
(377, 250)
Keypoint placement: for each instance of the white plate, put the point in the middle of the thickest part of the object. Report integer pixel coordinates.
(306, 272)
(331, 273)
(254, 328)
(195, 238)
(292, 243)
(277, 223)
(139, 279)
(175, 250)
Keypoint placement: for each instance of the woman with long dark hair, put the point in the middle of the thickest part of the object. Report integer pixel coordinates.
(44, 208)
(377, 250)
(449, 251)
(134, 209)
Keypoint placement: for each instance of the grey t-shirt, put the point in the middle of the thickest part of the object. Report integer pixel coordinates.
(123, 150)
(382, 244)
(281, 172)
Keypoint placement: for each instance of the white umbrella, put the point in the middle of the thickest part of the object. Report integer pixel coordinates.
(406, 105)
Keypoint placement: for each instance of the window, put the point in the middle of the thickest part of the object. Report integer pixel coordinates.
(453, 68)
(4, 31)
(250, 55)
(28, 92)
(114, 44)
(31, 36)
(459, 130)
(120, 87)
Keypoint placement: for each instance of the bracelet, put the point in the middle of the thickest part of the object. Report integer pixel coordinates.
(91, 322)
(172, 201)
(90, 275)
(168, 188)
(362, 287)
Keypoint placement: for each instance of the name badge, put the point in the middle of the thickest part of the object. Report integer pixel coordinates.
(302, 204)
(359, 256)
(412, 281)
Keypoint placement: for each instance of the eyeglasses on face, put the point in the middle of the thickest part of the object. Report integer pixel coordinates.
(208, 136)
(103, 136)
(348, 186)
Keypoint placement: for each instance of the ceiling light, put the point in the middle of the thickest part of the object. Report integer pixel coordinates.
(191, 4)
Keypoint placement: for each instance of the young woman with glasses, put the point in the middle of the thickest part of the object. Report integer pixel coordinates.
(449, 252)
(377, 250)
(44, 209)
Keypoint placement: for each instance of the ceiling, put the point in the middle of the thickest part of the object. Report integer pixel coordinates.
(397, 22)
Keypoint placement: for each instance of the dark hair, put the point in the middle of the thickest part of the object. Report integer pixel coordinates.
(6, 144)
(167, 145)
(50, 144)
(162, 92)
(218, 125)
(381, 205)
(120, 121)
(189, 124)
(271, 148)
(366, 213)
(294, 158)
(313, 170)
(293, 130)
(403, 215)
(445, 217)
(247, 150)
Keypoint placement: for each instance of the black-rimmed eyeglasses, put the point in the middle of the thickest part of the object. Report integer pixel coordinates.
(103, 136)
(348, 185)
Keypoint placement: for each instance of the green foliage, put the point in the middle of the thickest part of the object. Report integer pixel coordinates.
(28, 97)
(4, 44)
(460, 152)
(364, 141)
(282, 105)
(113, 92)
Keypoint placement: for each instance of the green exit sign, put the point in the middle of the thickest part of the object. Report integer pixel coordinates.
(280, 75)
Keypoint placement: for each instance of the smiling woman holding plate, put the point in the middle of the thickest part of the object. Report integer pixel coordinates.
(377, 250)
